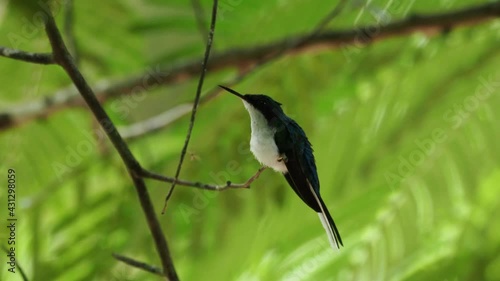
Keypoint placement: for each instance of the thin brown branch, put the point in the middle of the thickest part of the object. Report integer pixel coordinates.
(196, 99)
(39, 58)
(64, 59)
(213, 187)
(141, 265)
(241, 58)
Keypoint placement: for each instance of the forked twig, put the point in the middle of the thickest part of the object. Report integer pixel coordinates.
(63, 58)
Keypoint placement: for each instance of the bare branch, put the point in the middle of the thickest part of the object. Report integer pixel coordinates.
(39, 58)
(64, 59)
(243, 57)
(142, 265)
(196, 99)
(228, 185)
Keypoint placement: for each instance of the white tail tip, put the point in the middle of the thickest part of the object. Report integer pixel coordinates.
(329, 231)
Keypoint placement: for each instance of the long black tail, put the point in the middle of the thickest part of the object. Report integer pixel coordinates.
(311, 197)
(329, 225)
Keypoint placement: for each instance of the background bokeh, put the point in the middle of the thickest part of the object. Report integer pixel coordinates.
(405, 133)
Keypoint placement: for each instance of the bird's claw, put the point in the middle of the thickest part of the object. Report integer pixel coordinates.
(282, 158)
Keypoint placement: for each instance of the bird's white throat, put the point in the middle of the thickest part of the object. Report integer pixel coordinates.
(262, 142)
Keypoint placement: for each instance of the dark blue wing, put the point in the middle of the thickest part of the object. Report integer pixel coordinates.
(293, 143)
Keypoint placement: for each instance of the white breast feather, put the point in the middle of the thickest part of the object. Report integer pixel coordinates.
(262, 142)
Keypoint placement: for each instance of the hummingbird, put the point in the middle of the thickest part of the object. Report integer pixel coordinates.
(278, 142)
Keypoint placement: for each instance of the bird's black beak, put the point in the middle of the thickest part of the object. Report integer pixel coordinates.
(233, 92)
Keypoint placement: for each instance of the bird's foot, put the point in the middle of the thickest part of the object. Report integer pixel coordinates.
(282, 158)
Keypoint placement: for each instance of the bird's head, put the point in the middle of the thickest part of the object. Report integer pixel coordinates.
(262, 103)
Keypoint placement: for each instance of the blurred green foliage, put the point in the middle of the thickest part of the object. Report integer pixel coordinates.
(405, 133)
